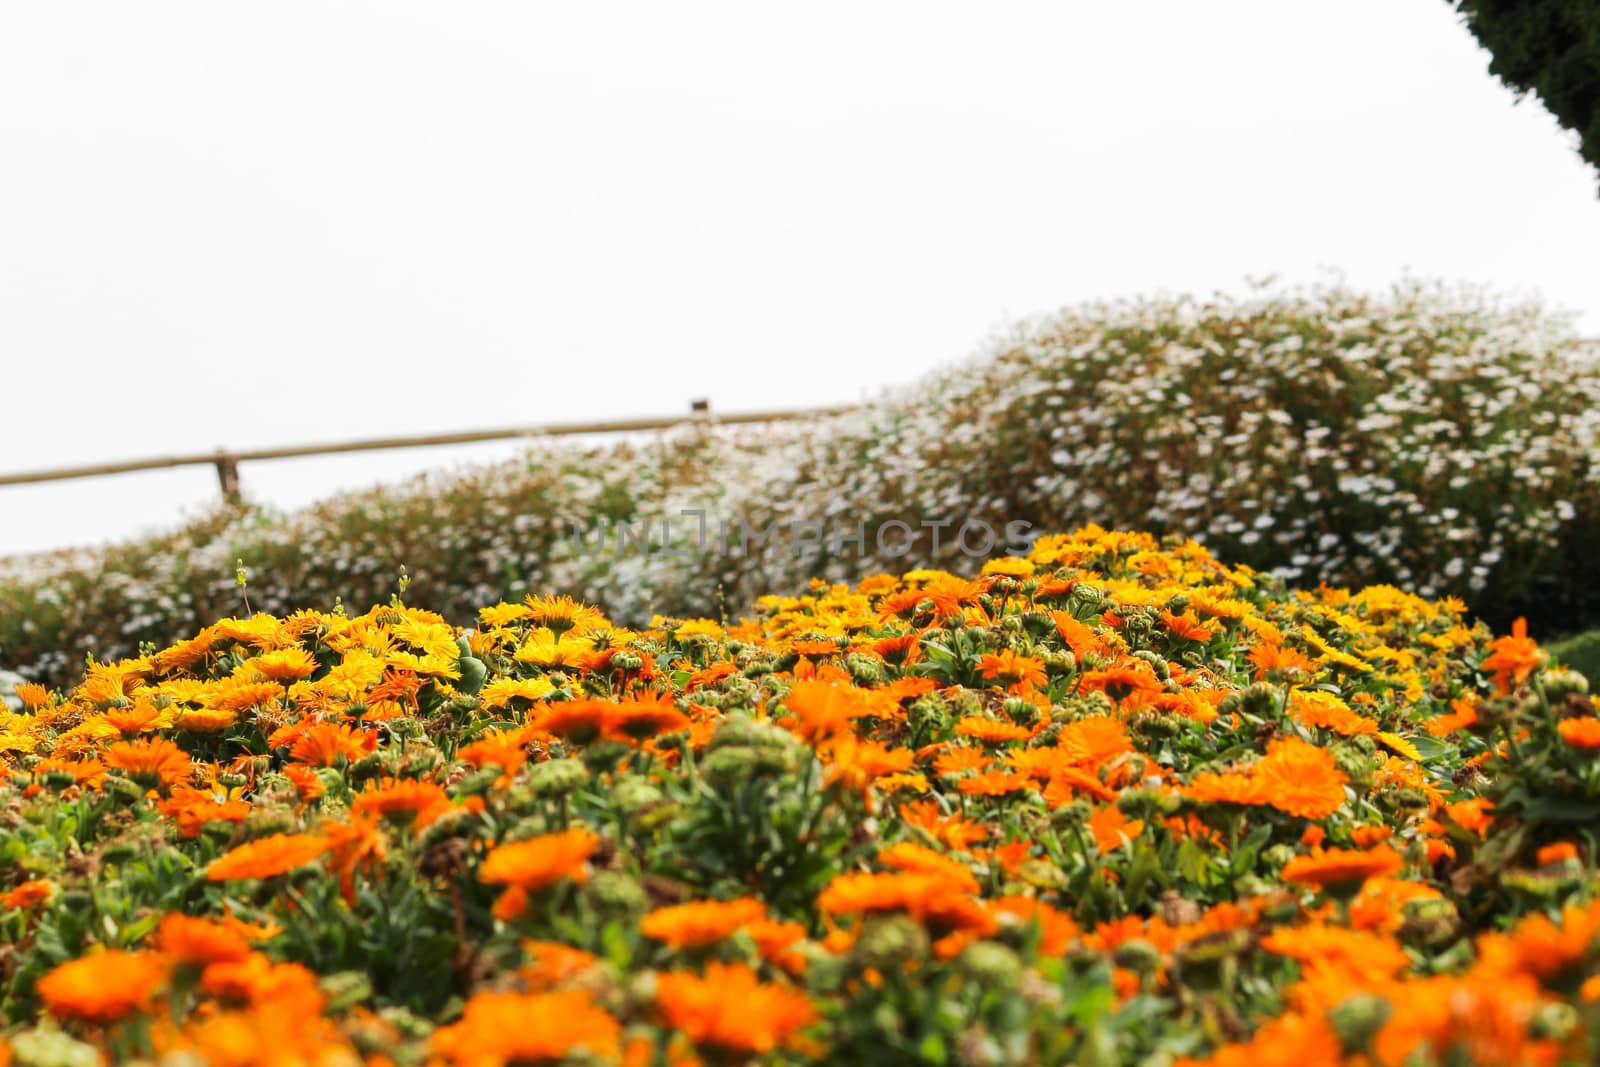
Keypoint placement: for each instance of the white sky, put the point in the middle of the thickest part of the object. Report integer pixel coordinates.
(243, 225)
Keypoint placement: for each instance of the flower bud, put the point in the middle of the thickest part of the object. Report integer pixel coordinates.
(557, 777)
(890, 942)
(990, 965)
(1357, 1019)
(616, 895)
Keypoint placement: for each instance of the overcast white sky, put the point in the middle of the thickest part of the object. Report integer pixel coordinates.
(241, 225)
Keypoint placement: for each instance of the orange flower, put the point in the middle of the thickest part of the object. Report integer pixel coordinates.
(1300, 778)
(823, 708)
(1557, 853)
(995, 783)
(578, 721)
(358, 842)
(1583, 732)
(185, 939)
(1016, 671)
(1340, 870)
(1188, 627)
(404, 796)
(500, 1029)
(700, 923)
(1094, 740)
(991, 731)
(553, 963)
(960, 759)
(1513, 658)
(103, 987)
(540, 862)
(953, 831)
(1111, 828)
(1277, 663)
(150, 760)
(855, 764)
(1211, 788)
(326, 743)
(730, 1010)
(28, 895)
(267, 857)
(193, 808)
(643, 717)
(1131, 683)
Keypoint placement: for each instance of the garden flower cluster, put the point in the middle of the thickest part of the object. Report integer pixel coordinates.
(1434, 438)
(1116, 801)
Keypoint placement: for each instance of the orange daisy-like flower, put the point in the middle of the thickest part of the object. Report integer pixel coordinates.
(103, 987)
(1300, 778)
(153, 759)
(1112, 829)
(1212, 788)
(403, 796)
(185, 939)
(960, 759)
(268, 857)
(991, 731)
(952, 831)
(326, 743)
(529, 866)
(578, 721)
(1188, 627)
(729, 1009)
(702, 922)
(499, 1029)
(551, 963)
(823, 708)
(1132, 682)
(28, 895)
(192, 808)
(1583, 732)
(995, 783)
(1340, 870)
(1557, 853)
(1012, 669)
(1276, 663)
(1513, 658)
(642, 717)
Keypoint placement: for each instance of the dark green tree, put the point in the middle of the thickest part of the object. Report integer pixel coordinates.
(1547, 47)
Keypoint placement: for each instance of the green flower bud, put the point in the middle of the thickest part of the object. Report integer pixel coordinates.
(345, 989)
(1137, 955)
(557, 777)
(1559, 684)
(603, 756)
(1060, 662)
(52, 1048)
(1157, 663)
(1259, 699)
(1020, 712)
(1555, 1021)
(616, 895)
(990, 965)
(865, 670)
(1357, 1020)
(633, 794)
(1428, 924)
(890, 942)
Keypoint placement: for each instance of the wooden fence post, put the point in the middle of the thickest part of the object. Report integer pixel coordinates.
(228, 478)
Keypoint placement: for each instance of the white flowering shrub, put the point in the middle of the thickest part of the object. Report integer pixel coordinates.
(1430, 437)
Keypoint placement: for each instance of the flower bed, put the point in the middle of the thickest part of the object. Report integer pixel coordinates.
(1114, 802)
(1430, 438)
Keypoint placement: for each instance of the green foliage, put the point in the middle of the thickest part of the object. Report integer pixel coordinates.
(1548, 47)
